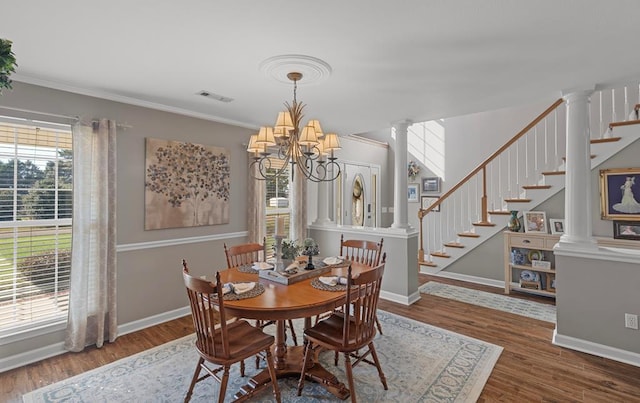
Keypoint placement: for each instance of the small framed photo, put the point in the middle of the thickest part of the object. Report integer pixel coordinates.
(431, 184)
(557, 226)
(620, 194)
(426, 201)
(535, 221)
(413, 192)
(626, 230)
(543, 264)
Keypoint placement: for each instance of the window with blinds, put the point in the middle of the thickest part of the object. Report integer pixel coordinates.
(35, 223)
(277, 201)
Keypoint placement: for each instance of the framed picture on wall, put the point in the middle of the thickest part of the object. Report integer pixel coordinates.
(620, 194)
(626, 230)
(431, 184)
(426, 201)
(413, 192)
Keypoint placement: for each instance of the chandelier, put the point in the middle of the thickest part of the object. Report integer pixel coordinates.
(309, 150)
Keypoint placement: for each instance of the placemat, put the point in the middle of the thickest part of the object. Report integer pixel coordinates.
(254, 292)
(247, 268)
(316, 283)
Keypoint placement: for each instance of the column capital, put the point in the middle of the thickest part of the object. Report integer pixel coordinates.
(405, 123)
(575, 94)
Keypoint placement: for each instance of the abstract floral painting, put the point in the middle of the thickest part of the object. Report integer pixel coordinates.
(186, 185)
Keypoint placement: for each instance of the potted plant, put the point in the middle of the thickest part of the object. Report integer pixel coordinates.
(7, 64)
(290, 250)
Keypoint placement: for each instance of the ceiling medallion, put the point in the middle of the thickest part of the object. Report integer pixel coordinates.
(312, 69)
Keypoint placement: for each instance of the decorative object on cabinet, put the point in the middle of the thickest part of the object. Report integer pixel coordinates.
(534, 255)
(426, 201)
(626, 230)
(535, 221)
(431, 184)
(619, 194)
(557, 226)
(517, 257)
(413, 192)
(525, 267)
(514, 222)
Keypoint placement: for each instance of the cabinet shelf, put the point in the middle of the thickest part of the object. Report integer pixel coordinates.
(529, 242)
(529, 267)
(546, 293)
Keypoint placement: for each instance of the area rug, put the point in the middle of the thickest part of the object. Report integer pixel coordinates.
(422, 363)
(531, 309)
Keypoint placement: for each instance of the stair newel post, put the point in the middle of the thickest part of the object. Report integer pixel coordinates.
(483, 202)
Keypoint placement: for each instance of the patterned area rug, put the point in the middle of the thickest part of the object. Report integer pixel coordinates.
(422, 363)
(531, 309)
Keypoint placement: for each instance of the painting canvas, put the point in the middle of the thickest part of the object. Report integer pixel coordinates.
(620, 194)
(186, 185)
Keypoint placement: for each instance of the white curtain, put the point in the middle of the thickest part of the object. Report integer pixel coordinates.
(256, 207)
(92, 299)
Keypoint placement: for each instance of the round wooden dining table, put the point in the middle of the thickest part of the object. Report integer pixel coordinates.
(280, 303)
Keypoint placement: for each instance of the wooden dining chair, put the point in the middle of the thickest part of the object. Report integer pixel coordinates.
(222, 344)
(361, 251)
(246, 254)
(351, 329)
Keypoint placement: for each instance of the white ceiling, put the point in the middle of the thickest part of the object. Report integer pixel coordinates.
(390, 60)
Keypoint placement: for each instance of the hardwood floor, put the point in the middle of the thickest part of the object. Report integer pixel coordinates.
(530, 368)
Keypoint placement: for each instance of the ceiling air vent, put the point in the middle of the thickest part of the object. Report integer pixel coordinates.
(211, 95)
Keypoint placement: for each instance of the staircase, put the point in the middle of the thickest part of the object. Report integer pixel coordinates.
(527, 170)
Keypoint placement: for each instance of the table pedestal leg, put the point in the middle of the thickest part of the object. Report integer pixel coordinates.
(288, 362)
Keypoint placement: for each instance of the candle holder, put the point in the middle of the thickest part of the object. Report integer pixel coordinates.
(279, 266)
(310, 251)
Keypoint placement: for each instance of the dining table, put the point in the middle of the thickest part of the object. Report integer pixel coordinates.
(280, 303)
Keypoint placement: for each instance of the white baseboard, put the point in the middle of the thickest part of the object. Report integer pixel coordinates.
(19, 360)
(153, 320)
(599, 350)
(467, 278)
(401, 299)
(28, 357)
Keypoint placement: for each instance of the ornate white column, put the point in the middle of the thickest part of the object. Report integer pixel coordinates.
(577, 203)
(400, 207)
(323, 204)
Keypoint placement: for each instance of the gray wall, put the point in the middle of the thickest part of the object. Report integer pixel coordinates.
(593, 296)
(149, 281)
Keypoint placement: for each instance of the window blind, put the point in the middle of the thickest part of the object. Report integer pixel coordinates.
(36, 185)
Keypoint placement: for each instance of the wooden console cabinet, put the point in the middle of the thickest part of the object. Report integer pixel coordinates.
(529, 251)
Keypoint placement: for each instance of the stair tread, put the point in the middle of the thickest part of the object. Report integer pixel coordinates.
(440, 254)
(484, 224)
(517, 200)
(529, 187)
(425, 263)
(626, 123)
(554, 173)
(499, 212)
(606, 140)
(454, 245)
(469, 234)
